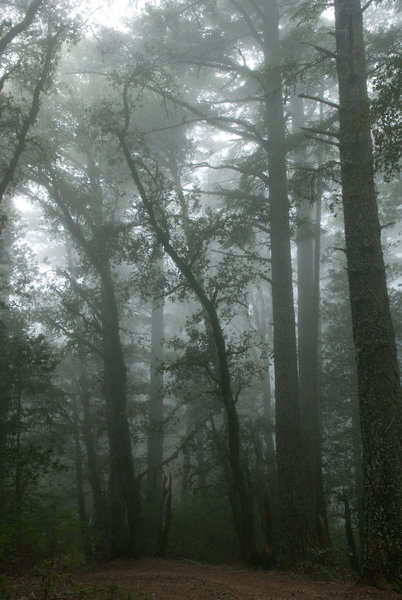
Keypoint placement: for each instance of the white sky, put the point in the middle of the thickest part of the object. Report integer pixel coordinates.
(110, 12)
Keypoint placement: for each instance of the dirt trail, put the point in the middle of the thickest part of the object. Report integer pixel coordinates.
(184, 580)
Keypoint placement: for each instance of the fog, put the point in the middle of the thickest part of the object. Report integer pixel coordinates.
(200, 284)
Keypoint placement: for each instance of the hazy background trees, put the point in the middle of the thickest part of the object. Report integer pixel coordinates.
(176, 338)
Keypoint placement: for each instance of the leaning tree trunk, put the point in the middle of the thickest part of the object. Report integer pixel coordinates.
(296, 537)
(379, 388)
(241, 500)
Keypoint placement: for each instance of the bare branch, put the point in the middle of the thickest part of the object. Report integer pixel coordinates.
(240, 169)
(322, 100)
(324, 51)
(316, 139)
(365, 7)
(173, 456)
(320, 131)
(249, 22)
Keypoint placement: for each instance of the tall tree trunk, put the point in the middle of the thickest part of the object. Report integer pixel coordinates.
(5, 399)
(308, 287)
(79, 478)
(155, 434)
(357, 467)
(262, 310)
(379, 388)
(154, 484)
(350, 538)
(296, 535)
(125, 502)
(100, 517)
(126, 519)
(18, 431)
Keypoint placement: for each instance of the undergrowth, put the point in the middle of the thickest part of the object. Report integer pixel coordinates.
(48, 583)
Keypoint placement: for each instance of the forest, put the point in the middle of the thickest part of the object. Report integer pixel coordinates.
(201, 285)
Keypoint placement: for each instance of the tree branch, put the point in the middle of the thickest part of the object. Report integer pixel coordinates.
(249, 22)
(30, 119)
(320, 131)
(324, 51)
(318, 99)
(21, 26)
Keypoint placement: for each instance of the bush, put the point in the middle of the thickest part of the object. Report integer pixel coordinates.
(44, 532)
(203, 530)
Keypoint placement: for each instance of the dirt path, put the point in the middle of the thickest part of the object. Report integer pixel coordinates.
(183, 580)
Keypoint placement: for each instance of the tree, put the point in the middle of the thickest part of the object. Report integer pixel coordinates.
(239, 493)
(379, 390)
(387, 115)
(294, 498)
(30, 42)
(247, 48)
(306, 192)
(67, 199)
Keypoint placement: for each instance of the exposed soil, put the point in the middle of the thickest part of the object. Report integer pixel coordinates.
(186, 580)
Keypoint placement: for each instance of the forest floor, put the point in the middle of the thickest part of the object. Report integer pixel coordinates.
(154, 579)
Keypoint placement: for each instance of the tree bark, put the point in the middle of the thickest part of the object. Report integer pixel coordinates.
(350, 538)
(308, 288)
(100, 517)
(126, 519)
(79, 479)
(155, 434)
(125, 502)
(296, 535)
(379, 388)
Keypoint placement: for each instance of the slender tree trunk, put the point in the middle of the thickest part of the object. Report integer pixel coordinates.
(5, 399)
(18, 457)
(155, 435)
(154, 485)
(166, 518)
(357, 467)
(186, 467)
(4, 410)
(79, 479)
(308, 272)
(350, 538)
(100, 518)
(296, 535)
(379, 388)
(262, 313)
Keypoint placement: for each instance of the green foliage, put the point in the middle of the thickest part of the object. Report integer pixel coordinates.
(202, 530)
(32, 413)
(387, 116)
(46, 530)
(329, 565)
(6, 591)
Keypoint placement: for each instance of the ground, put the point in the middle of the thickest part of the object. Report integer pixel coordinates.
(186, 580)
